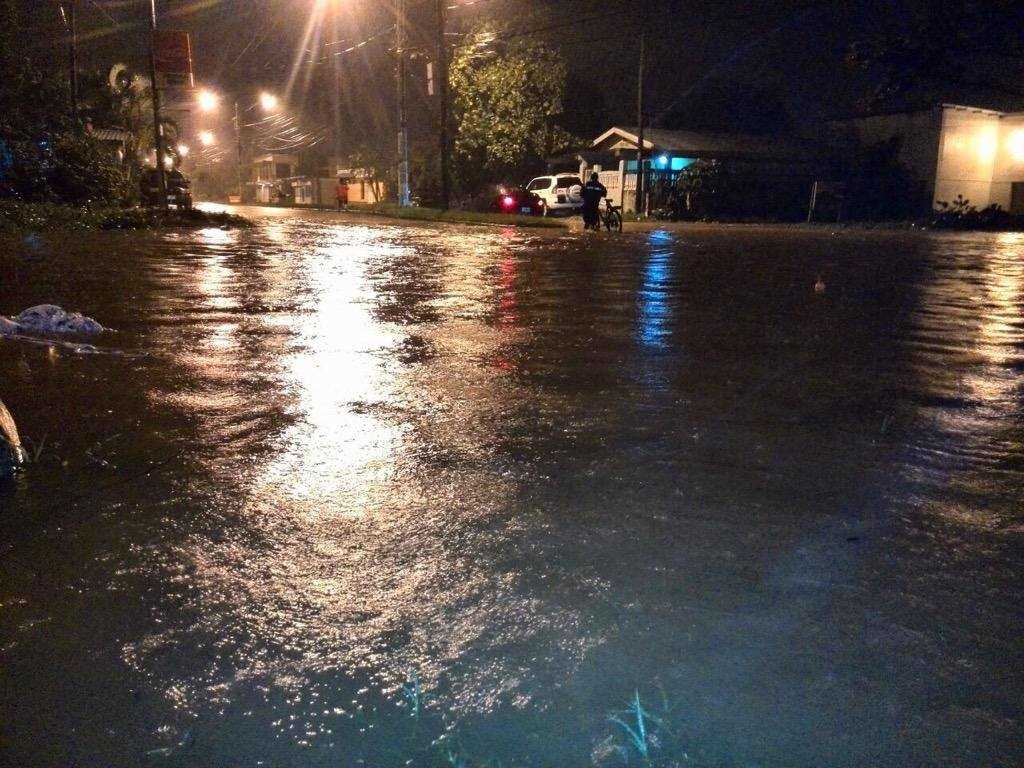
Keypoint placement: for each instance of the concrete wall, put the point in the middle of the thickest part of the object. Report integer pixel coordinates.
(1009, 163)
(363, 191)
(315, 191)
(967, 155)
(613, 182)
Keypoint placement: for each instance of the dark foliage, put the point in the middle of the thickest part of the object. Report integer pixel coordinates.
(961, 215)
(714, 189)
(877, 185)
(44, 153)
(950, 51)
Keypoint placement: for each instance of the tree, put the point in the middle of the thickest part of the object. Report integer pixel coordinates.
(506, 98)
(44, 153)
(377, 163)
(716, 189)
(925, 53)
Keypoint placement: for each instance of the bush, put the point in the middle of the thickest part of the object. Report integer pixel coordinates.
(45, 156)
(63, 167)
(961, 215)
(19, 216)
(715, 189)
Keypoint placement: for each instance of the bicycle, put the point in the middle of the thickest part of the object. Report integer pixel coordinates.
(611, 217)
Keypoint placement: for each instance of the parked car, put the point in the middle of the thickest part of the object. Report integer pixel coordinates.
(179, 188)
(560, 193)
(518, 201)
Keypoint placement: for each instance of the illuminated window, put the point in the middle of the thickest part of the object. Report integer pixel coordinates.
(678, 163)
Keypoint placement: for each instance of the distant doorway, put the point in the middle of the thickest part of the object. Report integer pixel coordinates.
(1017, 197)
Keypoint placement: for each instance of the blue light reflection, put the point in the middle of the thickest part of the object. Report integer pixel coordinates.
(655, 306)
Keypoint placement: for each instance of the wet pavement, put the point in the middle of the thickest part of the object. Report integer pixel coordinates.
(524, 475)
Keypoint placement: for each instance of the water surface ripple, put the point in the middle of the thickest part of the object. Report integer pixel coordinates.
(542, 471)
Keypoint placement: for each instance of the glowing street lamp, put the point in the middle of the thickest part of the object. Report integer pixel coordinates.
(207, 139)
(183, 150)
(208, 100)
(269, 102)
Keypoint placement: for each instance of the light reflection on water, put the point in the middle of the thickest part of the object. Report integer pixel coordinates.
(544, 472)
(655, 295)
(339, 452)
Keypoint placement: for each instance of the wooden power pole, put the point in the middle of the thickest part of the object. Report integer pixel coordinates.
(401, 32)
(442, 92)
(640, 117)
(73, 24)
(158, 126)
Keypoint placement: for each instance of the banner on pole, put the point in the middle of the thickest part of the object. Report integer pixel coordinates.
(172, 51)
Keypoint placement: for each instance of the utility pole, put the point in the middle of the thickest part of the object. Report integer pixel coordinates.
(442, 92)
(73, 24)
(640, 117)
(158, 126)
(238, 150)
(336, 101)
(403, 128)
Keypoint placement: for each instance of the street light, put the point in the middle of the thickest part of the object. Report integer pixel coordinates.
(269, 102)
(208, 100)
(183, 150)
(207, 139)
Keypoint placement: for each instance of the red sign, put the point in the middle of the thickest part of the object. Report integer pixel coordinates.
(172, 52)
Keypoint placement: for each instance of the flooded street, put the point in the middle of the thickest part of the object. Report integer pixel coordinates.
(330, 469)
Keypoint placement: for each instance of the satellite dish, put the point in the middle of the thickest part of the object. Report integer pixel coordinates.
(119, 79)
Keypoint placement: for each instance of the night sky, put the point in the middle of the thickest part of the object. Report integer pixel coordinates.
(771, 65)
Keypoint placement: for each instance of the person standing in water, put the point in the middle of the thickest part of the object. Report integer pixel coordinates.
(593, 192)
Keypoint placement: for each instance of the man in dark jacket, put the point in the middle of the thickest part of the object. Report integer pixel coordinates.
(593, 192)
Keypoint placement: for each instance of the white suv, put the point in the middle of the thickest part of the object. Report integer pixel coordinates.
(560, 193)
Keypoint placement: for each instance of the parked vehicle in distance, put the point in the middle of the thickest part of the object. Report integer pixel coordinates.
(516, 200)
(559, 193)
(179, 188)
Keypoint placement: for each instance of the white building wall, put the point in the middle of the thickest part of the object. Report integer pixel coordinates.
(968, 146)
(1009, 164)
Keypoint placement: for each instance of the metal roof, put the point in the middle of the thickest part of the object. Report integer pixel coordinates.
(698, 144)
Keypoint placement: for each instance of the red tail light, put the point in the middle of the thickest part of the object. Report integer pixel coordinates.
(508, 202)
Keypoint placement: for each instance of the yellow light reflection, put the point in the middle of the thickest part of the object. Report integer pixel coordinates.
(1000, 333)
(338, 456)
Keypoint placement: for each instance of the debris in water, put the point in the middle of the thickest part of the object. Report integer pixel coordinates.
(11, 452)
(49, 318)
(186, 741)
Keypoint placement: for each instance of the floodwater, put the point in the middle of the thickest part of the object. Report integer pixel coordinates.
(525, 475)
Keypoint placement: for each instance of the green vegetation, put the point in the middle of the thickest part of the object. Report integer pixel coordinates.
(412, 728)
(45, 154)
(463, 217)
(727, 191)
(17, 217)
(54, 174)
(961, 215)
(506, 98)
